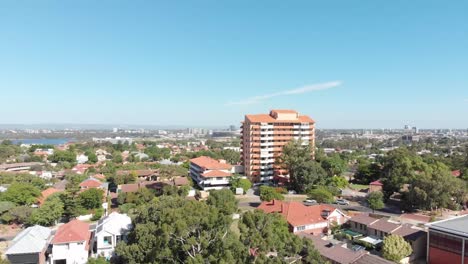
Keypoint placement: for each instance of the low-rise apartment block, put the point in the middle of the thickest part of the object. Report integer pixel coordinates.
(210, 174)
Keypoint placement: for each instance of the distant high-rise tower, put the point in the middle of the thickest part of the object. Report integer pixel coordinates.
(263, 138)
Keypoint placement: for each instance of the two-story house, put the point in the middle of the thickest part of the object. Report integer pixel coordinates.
(315, 219)
(109, 231)
(71, 243)
(209, 173)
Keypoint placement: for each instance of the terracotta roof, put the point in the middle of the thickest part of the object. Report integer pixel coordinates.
(208, 163)
(297, 214)
(456, 173)
(180, 181)
(216, 173)
(364, 219)
(46, 193)
(377, 182)
(130, 187)
(266, 118)
(99, 176)
(91, 183)
(73, 231)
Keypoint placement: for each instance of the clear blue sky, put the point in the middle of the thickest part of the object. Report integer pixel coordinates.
(200, 62)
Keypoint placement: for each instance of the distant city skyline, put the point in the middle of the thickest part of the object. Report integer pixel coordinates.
(352, 64)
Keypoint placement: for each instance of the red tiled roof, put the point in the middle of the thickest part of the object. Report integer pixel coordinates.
(266, 118)
(91, 183)
(377, 182)
(216, 173)
(46, 193)
(296, 213)
(99, 176)
(73, 231)
(130, 187)
(208, 163)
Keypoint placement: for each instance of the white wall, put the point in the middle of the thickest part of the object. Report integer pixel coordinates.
(72, 252)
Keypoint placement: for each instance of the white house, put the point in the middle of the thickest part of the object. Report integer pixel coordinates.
(71, 243)
(109, 231)
(209, 173)
(81, 159)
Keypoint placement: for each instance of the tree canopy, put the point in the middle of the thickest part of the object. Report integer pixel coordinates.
(223, 200)
(268, 193)
(304, 172)
(395, 248)
(375, 200)
(21, 194)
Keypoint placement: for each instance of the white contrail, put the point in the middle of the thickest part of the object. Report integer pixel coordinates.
(300, 90)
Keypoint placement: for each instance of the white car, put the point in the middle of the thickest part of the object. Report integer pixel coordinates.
(310, 201)
(342, 202)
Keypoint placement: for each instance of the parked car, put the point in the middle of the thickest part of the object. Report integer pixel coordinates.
(342, 202)
(310, 202)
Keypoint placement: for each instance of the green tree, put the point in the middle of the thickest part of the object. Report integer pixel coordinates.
(399, 168)
(21, 194)
(117, 157)
(334, 166)
(338, 181)
(71, 206)
(395, 248)
(269, 193)
(174, 230)
(91, 198)
(92, 158)
(231, 156)
(303, 170)
(435, 188)
(375, 200)
(223, 200)
(238, 182)
(99, 260)
(48, 213)
(267, 233)
(321, 194)
(367, 172)
(63, 156)
(18, 215)
(5, 206)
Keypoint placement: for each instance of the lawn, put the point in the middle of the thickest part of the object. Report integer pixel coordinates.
(358, 187)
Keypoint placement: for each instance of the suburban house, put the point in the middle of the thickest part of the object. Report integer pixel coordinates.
(29, 246)
(209, 173)
(448, 241)
(81, 158)
(337, 252)
(375, 186)
(378, 228)
(146, 175)
(315, 219)
(109, 231)
(91, 183)
(71, 243)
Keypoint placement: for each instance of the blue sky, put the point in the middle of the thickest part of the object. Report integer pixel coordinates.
(347, 64)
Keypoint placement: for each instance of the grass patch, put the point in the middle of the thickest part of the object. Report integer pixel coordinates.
(358, 187)
(235, 228)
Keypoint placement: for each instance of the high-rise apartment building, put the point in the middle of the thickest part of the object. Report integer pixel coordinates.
(263, 138)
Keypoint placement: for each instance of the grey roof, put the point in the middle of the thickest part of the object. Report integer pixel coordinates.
(457, 225)
(334, 252)
(31, 240)
(372, 259)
